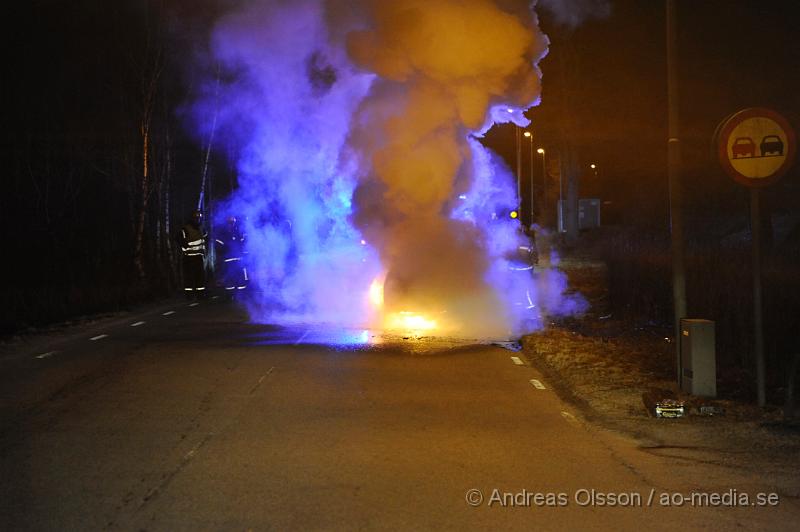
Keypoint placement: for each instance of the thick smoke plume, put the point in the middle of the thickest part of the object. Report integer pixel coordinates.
(355, 128)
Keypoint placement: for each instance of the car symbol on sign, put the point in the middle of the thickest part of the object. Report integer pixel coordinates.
(743, 147)
(771, 144)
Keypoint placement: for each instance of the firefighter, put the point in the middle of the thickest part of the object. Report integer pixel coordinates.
(231, 246)
(193, 245)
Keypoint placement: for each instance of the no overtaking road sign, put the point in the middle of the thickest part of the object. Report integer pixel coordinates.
(756, 146)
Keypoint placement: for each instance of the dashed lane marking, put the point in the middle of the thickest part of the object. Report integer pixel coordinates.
(98, 337)
(48, 354)
(137, 324)
(169, 313)
(518, 361)
(168, 477)
(572, 420)
(194, 304)
(214, 297)
(264, 376)
(538, 385)
(302, 337)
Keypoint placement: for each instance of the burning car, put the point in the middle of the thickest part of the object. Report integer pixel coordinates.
(394, 295)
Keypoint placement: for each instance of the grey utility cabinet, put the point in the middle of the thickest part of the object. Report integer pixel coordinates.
(698, 358)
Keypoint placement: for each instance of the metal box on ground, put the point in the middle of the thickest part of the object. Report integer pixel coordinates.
(698, 358)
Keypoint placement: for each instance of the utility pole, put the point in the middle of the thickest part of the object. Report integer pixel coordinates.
(675, 191)
(530, 223)
(570, 165)
(528, 135)
(518, 136)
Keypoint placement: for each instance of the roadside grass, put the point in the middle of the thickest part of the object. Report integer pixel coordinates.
(638, 281)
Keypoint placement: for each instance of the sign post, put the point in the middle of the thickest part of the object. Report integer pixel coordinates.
(756, 147)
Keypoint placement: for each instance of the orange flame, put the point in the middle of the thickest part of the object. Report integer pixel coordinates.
(376, 292)
(405, 321)
(409, 321)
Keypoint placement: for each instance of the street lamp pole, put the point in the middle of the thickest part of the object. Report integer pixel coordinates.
(529, 136)
(675, 192)
(544, 181)
(559, 213)
(518, 137)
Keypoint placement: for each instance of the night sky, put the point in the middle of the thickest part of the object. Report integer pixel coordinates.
(611, 75)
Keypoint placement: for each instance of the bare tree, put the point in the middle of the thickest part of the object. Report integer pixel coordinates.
(150, 67)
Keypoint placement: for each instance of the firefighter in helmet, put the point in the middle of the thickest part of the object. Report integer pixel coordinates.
(193, 246)
(231, 250)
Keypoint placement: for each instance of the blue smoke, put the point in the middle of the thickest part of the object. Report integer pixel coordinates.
(284, 116)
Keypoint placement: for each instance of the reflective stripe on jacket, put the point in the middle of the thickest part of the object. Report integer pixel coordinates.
(193, 242)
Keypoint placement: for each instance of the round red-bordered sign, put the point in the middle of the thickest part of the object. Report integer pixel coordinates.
(756, 146)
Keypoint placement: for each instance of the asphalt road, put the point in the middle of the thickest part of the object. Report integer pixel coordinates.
(189, 418)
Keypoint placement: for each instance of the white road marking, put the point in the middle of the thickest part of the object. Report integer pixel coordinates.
(167, 478)
(302, 337)
(214, 297)
(194, 304)
(538, 385)
(169, 313)
(264, 376)
(197, 447)
(98, 337)
(518, 361)
(137, 324)
(572, 420)
(48, 354)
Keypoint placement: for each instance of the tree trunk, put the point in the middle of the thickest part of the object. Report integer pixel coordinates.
(152, 65)
(138, 255)
(168, 211)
